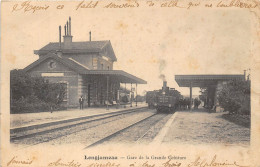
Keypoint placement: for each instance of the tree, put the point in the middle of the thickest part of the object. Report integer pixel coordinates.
(235, 97)
(33, 94)
(22, 84)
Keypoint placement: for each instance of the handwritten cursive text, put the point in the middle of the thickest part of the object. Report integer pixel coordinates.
(67, 164)
(26, 7)
(16, 161)
(213, 162)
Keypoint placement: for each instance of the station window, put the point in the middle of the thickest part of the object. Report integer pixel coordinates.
(102, 66)
(95, 63)
(107, 67)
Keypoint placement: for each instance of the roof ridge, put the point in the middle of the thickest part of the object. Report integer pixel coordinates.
(84, 41)
(105, 44)
(79, 46)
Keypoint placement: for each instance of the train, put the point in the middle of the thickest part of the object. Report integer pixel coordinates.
(164, 100)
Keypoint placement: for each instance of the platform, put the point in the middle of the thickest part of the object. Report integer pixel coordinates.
(201, 127)
(29, 119)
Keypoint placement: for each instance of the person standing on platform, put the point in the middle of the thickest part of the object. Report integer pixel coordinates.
(81, 102)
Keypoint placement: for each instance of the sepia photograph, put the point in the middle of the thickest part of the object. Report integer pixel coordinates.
(130, 83)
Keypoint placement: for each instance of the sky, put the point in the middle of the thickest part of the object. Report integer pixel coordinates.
(148, 43)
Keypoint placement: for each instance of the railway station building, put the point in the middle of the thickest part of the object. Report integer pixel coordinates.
(85, 68)
(212, 83)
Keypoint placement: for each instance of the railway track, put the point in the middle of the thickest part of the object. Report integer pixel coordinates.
(134, 132)
(151, 132)
(20, 133)
(95, 130)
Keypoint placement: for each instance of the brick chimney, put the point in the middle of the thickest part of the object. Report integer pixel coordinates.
(59, 53)
(67, 37)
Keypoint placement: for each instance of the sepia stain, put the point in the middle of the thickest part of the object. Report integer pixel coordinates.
(212, 40)
(35, 158)
(10, 58)
(241, 154)
(121, 25)
(34, 155)
(170, 31)
(153, 60)
(148, 30)
(130, 61)
(193, 63)
(14, 27)
(257, 17)
(223, 56)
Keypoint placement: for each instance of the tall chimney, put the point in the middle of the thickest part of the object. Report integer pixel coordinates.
(245, 74)
(70, 26)
(60, 37)
(67, 37)
(89, 35)
(59, 53)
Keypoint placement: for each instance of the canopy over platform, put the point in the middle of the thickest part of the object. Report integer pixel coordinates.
(204, 80)
(119, 75)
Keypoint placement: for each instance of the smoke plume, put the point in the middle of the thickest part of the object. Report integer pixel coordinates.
(162, 65)
(162, 77)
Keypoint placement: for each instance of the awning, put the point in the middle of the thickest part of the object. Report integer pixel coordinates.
(119, 75)
(204, 80)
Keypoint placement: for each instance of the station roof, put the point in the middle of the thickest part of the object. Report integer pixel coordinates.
(78, 47)
(119, 75)
(204, 80)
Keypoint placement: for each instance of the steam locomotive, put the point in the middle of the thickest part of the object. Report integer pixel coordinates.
(164, 100)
